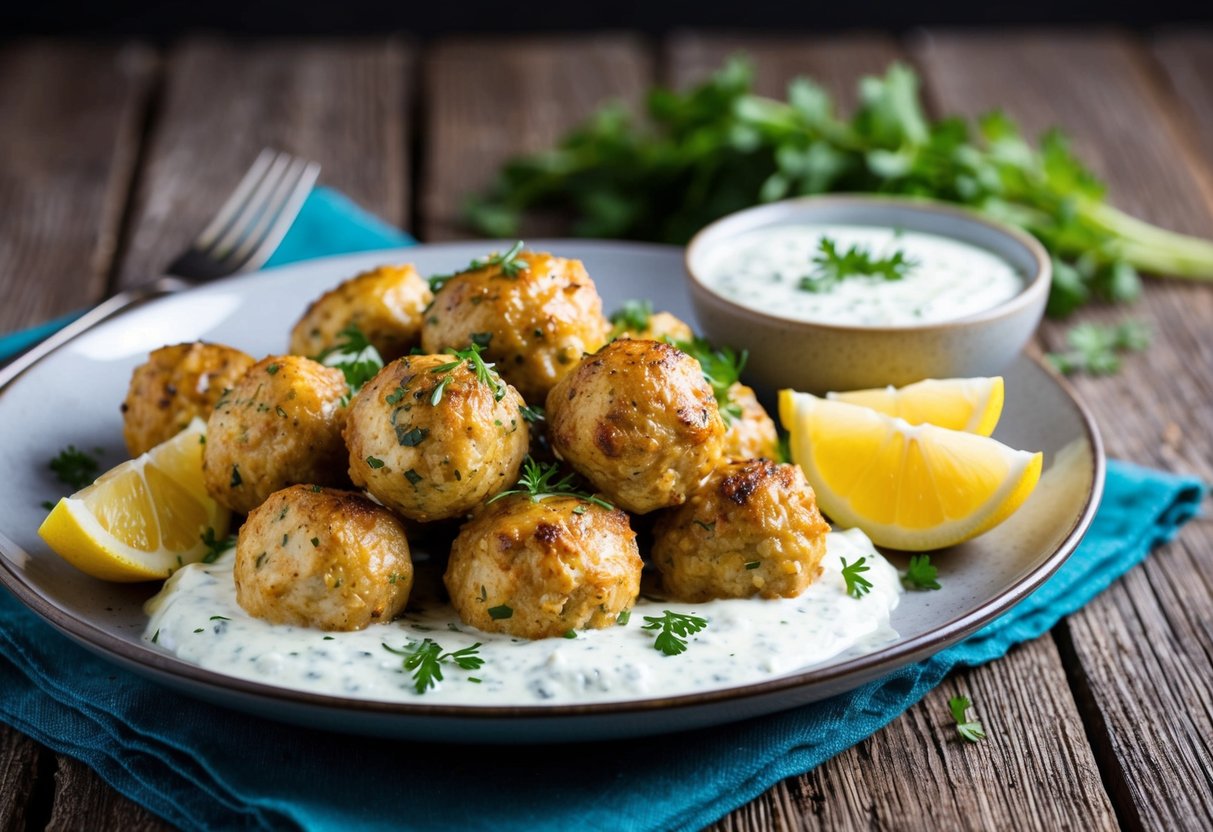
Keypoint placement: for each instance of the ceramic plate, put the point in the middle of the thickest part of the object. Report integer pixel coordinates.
(72, 397)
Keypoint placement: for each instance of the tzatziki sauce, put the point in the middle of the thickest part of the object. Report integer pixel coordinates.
(196, 617)
(947, 280)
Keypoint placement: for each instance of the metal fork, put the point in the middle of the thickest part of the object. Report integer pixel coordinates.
(240, 238)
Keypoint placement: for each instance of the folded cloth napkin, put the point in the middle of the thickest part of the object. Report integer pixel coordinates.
(204, 767)
(328, 223)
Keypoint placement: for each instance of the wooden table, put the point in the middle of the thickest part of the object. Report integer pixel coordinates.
(111, 156)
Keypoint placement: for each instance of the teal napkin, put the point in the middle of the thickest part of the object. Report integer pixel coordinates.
(203, 767)
(328, 223)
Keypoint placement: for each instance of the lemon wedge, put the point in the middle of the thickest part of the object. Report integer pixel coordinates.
(911, 487)
(141, 520)
(969, 404)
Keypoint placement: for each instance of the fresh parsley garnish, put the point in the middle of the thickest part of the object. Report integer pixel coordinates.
(75, 468)
(970, 730)
(539, 481)
(721, 367)
(857, 585)
(215, 546)
(533, 413)
(425, 660)
(831, 266)
(920, 574)
(354, 356)
(633, 316)
(511, 264)
(1097, 350)
(484, 371)
(674, 627)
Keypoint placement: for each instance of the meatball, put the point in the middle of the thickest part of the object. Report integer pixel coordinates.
(752, 434)
(280, 425)
(431, 439)
(660, 326)
(638, 421)
(387, 305)
(752, 529)
(324, 558)
(175, 385)
(535, 324)
(541, 569)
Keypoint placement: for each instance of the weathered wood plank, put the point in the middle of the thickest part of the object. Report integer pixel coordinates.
(915, 771)
(1142, 648)
(19, 761)
(83, 801)
(343, 104)
(70, 116)
(1187, 61)
(490, 99)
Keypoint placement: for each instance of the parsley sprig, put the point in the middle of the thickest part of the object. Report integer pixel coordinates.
(425, 659)
(215, 546)
(511, 264)
(633, 316)
(674, 627)
(484, 371)
(698, 154)
(920, 574)
(1097, 350)
(831, 266)
(721, 367)
(969, 729)
(75, 468)
(354, 356)
(539, 481)
(857, 585)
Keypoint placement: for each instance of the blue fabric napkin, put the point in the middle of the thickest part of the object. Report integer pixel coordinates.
(328, 223)
(203, 767)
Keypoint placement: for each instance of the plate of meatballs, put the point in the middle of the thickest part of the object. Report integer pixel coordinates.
(489, 493)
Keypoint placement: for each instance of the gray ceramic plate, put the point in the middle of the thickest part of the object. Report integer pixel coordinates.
(73, 396)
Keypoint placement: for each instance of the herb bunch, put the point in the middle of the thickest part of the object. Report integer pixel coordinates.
(718, 147)
(484, 372)
(538, 480)
(832, 266)
(721, 368)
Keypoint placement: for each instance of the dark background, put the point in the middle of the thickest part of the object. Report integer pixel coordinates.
(167, 19)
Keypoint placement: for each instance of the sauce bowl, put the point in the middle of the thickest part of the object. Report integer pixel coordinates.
(819, 356)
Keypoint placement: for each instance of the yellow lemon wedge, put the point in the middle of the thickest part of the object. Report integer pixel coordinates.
(912, 487)
(969, 404)
(141, 520)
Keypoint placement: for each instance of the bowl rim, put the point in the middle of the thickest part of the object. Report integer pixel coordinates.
(1034, 292)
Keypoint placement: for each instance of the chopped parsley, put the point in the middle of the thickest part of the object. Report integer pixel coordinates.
(411, 438)
(533, 413)
(969, 730)
(623, 618)
(215, 546)
(511, 264)
(75, 468)
(425, 661)
(539, 481)
(570, 634)
(354, 356)
(236, 480)
(412, 476)
(674, 627)
(920, 574)
(375, 462)
(273, 368)
(1097, 350)
(831, 266)
(753, 564)
(501, 612)
(633, 316)
(485, 373)
(857, 585)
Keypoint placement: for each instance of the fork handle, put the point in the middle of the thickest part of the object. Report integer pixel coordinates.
(108, 308)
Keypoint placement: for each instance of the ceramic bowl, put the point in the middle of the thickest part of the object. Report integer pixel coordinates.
(818, 357)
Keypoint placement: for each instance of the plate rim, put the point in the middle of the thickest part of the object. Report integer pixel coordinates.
(883, 660)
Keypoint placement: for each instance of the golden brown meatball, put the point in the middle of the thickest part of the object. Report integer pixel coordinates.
(752, 435)
(537, 323)
(752, 529)
(317, 557)
(432, 455)
(279, 425)
(175, 385)
(537, 570)
(638, 421)
(386, 304)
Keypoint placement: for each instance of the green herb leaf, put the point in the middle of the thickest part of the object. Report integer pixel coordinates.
(75, 468)
(969, 730)
(424, 661)
(920, 574)
(633, 316)
(675, 627)
(501, 612)
(375, 462)
(215, 547)
(539, 481)
(721, 368)
(1096, 349)
(832, 266)
(484, 372)
(857, 585)
(354, 356)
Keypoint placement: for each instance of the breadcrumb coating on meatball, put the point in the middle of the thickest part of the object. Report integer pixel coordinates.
(752, 435)
(752, 529)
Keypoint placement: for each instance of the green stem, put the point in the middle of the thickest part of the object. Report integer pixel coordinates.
(1153, 249)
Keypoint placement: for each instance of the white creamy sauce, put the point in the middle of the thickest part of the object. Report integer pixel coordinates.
(196, 617)
(763, 270)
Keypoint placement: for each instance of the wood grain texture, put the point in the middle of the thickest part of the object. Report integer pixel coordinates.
(343, 104)
(1186, 59)
(488, 99)
(915, 766)
(19, 762)
(69, 124)
(83, 801)
(1143, 648)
